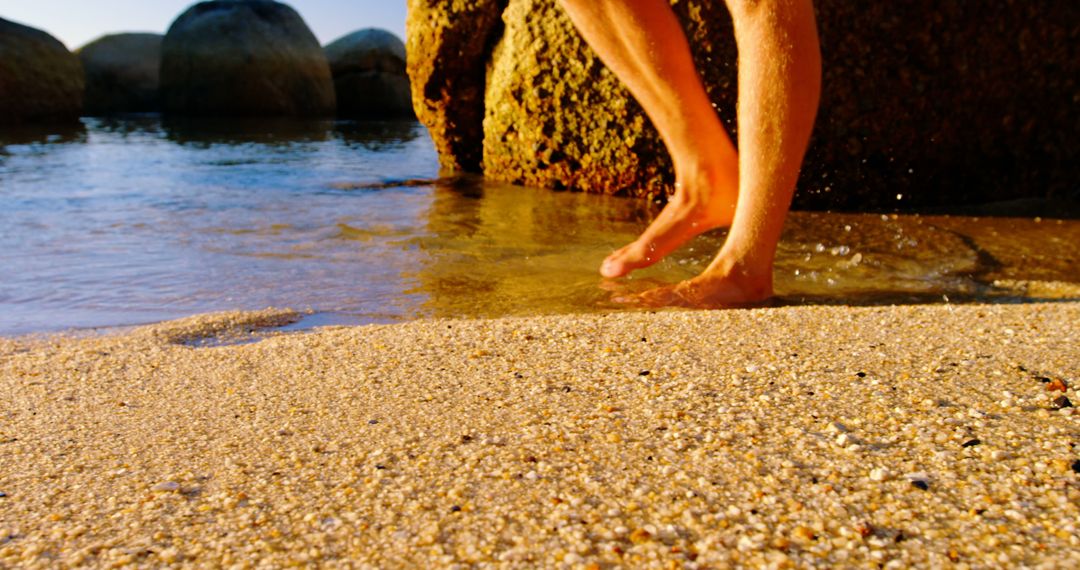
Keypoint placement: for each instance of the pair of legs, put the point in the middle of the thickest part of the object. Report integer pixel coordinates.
(779, 72)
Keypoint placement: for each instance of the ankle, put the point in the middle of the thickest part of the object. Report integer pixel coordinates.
(708, 175)
(753, 277)
(709, 190)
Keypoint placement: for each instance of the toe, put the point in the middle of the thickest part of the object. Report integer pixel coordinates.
(612, 268)
(625, 260)
(675, 225)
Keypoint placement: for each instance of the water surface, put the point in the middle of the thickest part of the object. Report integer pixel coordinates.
(137, 220)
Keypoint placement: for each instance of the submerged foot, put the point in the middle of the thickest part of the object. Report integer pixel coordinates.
(696, 208)
(716, 288)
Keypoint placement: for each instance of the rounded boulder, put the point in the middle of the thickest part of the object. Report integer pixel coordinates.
(122, 73)
(368, 67)
(244, 58)
(40, 80)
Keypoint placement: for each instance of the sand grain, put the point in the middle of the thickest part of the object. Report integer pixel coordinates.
(814, 436)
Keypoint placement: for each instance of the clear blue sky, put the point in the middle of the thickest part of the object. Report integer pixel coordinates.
(76, 22)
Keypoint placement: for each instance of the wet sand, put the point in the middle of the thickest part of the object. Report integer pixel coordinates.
(914, 436)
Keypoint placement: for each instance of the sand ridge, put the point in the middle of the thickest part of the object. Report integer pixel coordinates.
(913, 436)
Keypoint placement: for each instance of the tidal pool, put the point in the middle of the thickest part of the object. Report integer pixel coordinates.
(135, 220)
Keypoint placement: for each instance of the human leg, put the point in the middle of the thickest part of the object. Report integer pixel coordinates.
(643, 44)
(779, 90)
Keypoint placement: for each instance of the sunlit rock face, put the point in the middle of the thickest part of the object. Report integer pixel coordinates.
(122, 73)
(368, 67)
(40, 80)
(555, 116)
(449, 43)
(924, 105)
(244, 58)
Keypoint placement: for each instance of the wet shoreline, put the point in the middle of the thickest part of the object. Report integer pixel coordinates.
(139, 219)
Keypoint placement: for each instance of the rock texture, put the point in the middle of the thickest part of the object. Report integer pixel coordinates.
(965, 103)
(122, 73)
(449, 43)
(555, 116)
(368, 67)
(970, 103)
(40, 80)
(248, 57)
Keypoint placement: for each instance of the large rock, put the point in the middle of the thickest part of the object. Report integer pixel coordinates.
(369, 74)
(935, 103)
(244, 57)
(40, 80)
(449, 44)
(555, 116)
(122, 73)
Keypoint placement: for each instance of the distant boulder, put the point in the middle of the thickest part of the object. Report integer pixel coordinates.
(368, 67)
(40, 80)
(244, 58)
(122, 72)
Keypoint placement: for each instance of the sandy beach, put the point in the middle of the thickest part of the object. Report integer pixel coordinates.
(913, 436)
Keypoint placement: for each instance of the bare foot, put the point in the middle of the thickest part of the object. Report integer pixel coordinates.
(699, 205)
(716, 288)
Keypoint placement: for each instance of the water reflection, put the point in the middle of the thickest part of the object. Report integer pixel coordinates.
(205, 131)
(134, 220)
(11, 135)
(376, 135)
(494, 250)
(126, 125)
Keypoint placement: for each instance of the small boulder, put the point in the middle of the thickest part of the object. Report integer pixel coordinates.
(122, 73)
(40, 80)
(368, 67)
(244, 58)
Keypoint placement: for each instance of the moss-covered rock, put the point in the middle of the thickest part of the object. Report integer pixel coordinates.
(122, 73)
(244, 57)
(40, 80)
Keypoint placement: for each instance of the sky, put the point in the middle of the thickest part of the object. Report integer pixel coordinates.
(77, 22)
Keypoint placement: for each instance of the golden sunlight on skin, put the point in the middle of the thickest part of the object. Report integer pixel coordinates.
(779, 88)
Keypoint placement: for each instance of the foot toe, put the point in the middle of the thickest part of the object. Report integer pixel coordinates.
(627, 259)
(612, 268)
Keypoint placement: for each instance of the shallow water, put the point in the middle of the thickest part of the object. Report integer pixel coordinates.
(137, 220)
